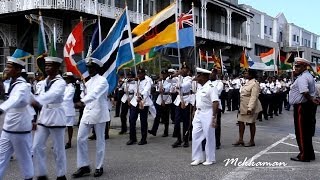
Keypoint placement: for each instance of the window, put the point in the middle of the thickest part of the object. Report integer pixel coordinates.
(315, 45)
(260, 49)
(223, 25)
(151, 7)
(30, 65)
(265, 30)
(173, 52)
(309, 43)
(2, 57)
(280, 37)
(270, 32)
(294, 38)
(297, 38)
(305, 42)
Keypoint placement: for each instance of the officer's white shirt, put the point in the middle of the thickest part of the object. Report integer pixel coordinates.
(206, 95)
(18, 116)
(149, 79)
(67, 103)
(6, 85)
(236, 83)
(184, 84)
(219, 85)
(128, 88)
(52, 113)
(229, 85)
(95, 99)
(144, 92)
(166, 86)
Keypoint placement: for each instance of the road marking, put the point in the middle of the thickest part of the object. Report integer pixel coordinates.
(287, 152)
(289, 144)
(241, 172)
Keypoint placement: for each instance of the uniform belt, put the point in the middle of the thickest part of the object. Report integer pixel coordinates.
(131, 93)
(204, 108)
(166, 93)
(185, 94)
(17, 132)
(50, 106)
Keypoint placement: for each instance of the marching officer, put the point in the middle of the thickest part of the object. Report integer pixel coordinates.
(16, 133)
(183, 106)
(95, 114)
(51, 121)
(205, 120)
(140, 105)
(163, 102)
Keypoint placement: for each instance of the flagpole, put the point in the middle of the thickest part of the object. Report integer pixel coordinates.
(194, 37)
(221, 63)
(200, 65)
(99, 30)
(130, 37)
(298, 52)
(177, 34)
(207, 59)
(279, 61)
(82, 54)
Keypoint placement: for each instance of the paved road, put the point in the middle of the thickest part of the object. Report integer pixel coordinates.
(275, 142)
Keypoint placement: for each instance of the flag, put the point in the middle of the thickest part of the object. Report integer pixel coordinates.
(318, 69)
(268, 58)
(95, 41)
(141, 58)
(42, 47)
(158, 30)
(284, 60)
(74, 45)
(115, 50)
(186, 36)
(244, 60)
(53, 45)
(25, 45)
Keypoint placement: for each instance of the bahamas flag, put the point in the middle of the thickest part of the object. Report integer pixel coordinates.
(115, 50)
(25, 45)
(42, 47)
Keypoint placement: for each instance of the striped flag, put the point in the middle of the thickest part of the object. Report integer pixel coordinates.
(115, 50)
(141, 58)
(158, 30)
(269, 57)
(284, 60)
(42, 47)
(74, 45)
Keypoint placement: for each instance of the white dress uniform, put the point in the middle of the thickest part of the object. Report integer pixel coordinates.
(95, 114)
(16, 134)
(202, 129)
(51, 121)
(185, 85)
(166, 85)
(68, 105)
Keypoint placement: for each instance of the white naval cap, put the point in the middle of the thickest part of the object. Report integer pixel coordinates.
(299, 60)
(23, 70)
(53, 59)
(171, 70)
(66, 74)
(90, 60)
(203, 71)
(16, 60)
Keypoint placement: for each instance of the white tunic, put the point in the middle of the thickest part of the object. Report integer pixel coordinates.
(144, 91)
(184, 84)
(95, 99)
(128, 88)
(68, 104)
(166, 85)
(51, 98)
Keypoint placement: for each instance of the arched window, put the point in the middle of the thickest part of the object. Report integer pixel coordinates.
(2, 56)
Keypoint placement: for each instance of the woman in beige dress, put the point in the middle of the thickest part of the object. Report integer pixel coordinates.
(249, 107)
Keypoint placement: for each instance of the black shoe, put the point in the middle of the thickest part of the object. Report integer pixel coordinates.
(130, 142)
(271, 116)
(93, 137)
(217, 147)
(176, 144)
(259, 119)
(165, 135)
(151, 132)
(276, 114)
(142, 142)
(116, 116)
(42, 178)
(67, 146)
(61, 178)
(297, 159)
(280, 112)
(266, 118)
(106, 137)
(122, 132)
(186, 144)
(98, 172)
(83, 171)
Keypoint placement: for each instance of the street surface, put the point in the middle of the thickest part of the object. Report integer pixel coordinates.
(275, 142)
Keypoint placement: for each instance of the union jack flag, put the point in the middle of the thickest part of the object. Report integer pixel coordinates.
(185, 20)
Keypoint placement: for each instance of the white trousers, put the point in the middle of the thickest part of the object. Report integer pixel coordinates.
(39, 150)
(82, 144)
(202, 129)
(20, 144)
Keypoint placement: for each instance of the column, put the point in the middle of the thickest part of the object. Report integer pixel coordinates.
(290, 35)
(311, 41)
(262, 27)
(229, 30)
(138, 11)
(275, 30)
(205, 18)
(248, 30)
(180, 7)
(202, 20)
(300, 37)
(142, 11)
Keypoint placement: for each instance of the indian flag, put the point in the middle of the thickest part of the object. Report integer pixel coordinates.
(269, 57)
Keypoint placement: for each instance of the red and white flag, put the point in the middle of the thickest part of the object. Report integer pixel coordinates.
(74, 45)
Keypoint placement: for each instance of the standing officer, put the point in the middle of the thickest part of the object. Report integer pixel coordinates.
(16, 133)
(205, 120)
(140, 105)
(163, 102)
(302, 96)
(95, 114)
(183, 106)
(51, 121)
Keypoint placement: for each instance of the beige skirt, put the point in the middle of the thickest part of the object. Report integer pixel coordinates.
(248, 118)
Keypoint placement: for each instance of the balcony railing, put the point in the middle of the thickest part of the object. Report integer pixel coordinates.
(87, 6)
(221, 38)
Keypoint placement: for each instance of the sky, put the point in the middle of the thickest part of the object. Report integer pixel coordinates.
(304, 13)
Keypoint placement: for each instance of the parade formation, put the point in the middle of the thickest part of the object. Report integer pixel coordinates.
(193, 97)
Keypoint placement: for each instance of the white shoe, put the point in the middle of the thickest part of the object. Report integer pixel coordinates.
(196, 162)
(207, 163)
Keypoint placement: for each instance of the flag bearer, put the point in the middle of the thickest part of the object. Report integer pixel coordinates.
(16, 133)
(205, 120)
(51, 121)
(95, 114)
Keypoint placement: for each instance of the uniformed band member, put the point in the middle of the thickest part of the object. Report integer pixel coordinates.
(128, 87)
(51, 121)
(205, 120)
(183, 106)
(163, 102)
(95, 114)
(302, 96)
(16, 133)
(140, 105)
(68, 106)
